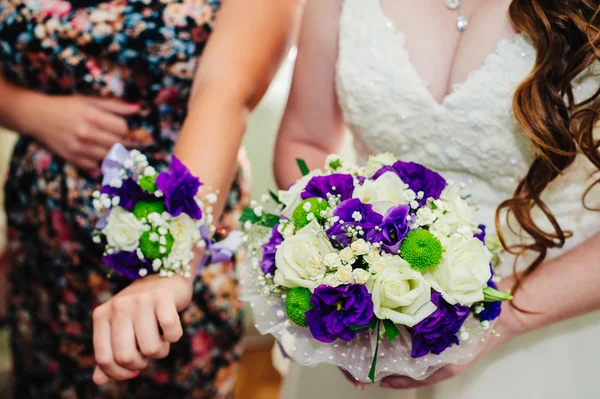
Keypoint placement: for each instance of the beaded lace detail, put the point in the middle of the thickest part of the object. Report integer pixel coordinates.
(471, 136)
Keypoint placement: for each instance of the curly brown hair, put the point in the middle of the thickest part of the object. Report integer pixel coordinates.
(566, 34)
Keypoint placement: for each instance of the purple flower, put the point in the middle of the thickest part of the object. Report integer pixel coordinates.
(438, 331)
(392, 230)
(130, 193)
(320, 186)
(491, 310)
(481, 236)
(126, 264)
(354, 214)
(418, 178)
(269, 250)
(180, 188)
(336, 309)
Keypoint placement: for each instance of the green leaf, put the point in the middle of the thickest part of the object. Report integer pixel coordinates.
(303, 168)
(374, 363)
(492, 295)
(358, 328)
(373, 323)
(266, 220)
(335, 164)
(390, 329)
(248, 215)
(274, 196)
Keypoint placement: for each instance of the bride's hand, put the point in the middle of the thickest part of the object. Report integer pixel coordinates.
(126, 327)
(506, 326)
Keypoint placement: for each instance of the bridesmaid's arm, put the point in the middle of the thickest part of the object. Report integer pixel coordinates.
(312, 125)
(244, 52)
(242, 56)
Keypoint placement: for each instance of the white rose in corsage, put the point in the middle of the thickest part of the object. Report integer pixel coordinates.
(385, 192)
(463, 272)
(376, 162)
(123, 230)
(184, 231)
(300, 258)
(400, 294)
(291, 198)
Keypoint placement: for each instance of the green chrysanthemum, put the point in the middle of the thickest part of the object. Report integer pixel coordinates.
(297, 303)
(151, 249)
(143, 208)
(310, 206)
(421, 250)
(148, 183)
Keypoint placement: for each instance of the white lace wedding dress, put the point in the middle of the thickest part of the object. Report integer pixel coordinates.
(470, 137)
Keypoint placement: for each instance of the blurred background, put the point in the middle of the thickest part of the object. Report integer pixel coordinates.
(257, 376)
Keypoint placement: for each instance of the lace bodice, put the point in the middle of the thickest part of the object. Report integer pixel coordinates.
(471, 137)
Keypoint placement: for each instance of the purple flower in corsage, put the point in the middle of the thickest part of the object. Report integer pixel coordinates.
(418, 178)
(130, 193)
(336, 309)
(269, 250)
(180, 188)
(127, 264)
(336, 184)
(392, 230)
(438, 331)
(354, 215)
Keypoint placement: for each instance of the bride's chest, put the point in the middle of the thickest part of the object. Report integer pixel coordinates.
(388, 107)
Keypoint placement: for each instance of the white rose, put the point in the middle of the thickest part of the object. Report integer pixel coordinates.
(385, 192)
(400, 294)
(316, 269)
(331, 280)
(344, 274)
(291, 198)
(372, 256)
(492, 242)
(332, 260)
(377, 266)
(296, 257)
(360, 276)
(123, 230)
(463, 272)
(425, 216)
(184, 231)
(347, 255)
(376, 162)
(360, 247)
(457, 213)
(287, 229)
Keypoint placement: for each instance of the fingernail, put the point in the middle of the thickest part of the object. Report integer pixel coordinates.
(136, 374)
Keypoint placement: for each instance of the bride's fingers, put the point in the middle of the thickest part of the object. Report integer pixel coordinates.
(124, 344)
(354, 381)
(148, 338)
(169, 321)
(103, 350)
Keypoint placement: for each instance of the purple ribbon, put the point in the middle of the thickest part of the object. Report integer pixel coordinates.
(222, 251)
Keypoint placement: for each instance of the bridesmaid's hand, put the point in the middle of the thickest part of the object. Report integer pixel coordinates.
(80, 129)
(126, 328)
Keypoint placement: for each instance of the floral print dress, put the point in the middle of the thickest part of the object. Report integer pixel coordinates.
(140, 51)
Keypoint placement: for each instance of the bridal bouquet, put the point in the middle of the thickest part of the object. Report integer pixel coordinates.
(381, 270)
(150, 222)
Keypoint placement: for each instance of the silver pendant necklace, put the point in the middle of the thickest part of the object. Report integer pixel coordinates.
(462, 22)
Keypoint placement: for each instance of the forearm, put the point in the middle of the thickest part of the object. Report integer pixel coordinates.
(285, 166)
(247, 46)
(17, 107)
(562, 288)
